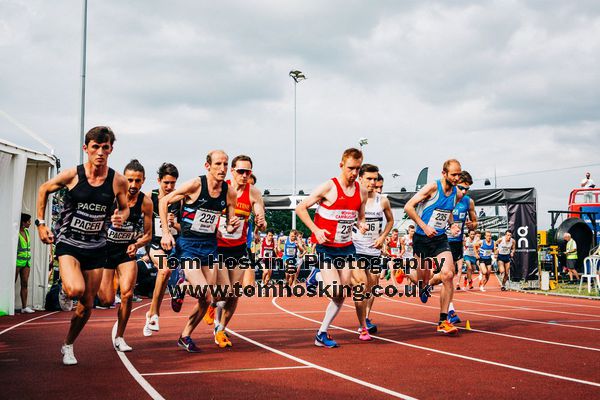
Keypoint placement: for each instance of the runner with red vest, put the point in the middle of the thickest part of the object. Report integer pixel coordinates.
(233, 245)
(268, 256)
(341, 205)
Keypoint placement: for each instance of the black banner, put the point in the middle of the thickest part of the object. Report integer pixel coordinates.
(522, 222)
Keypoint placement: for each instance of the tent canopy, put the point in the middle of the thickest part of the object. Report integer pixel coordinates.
(22, 171)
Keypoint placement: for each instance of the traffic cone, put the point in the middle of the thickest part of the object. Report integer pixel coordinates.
(468, 326)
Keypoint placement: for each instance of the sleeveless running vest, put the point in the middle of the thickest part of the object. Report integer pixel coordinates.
(338, 218)
(243, 208)
(267, 250)
(200, 218)
(85, 215)
(408, 247)
(469, 247)
(290, 250)
(505, 248)
(394, 247)
(486, 250)
(436, 211)
(374, 220)
(174, 208)
(132, 228)
(459, 215)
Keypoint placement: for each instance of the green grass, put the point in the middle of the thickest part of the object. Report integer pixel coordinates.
(571, 289)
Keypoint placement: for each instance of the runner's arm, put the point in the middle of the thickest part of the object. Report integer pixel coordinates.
(233, 222)
(362, 225)
(389, 217)
(62, 180)
(147, 209)
(176, 195)
(302, 209)
(120, 187)
(422, 195)
(472, 222)
(258, 206)
(513, 248)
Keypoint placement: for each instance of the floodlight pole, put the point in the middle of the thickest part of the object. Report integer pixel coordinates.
(83, 70)
(296, 76)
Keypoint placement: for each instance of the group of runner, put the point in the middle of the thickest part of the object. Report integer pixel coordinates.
(106, 218)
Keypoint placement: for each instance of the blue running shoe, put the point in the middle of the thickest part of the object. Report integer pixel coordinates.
(425, 293)
(371, 327)
(324, 340)
(311, 279)
(453, 318)
(188, 344)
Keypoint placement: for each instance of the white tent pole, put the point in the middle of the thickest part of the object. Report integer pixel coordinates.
(26, 130)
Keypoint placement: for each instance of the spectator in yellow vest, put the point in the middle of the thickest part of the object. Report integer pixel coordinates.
(571, 254)
(24, 261)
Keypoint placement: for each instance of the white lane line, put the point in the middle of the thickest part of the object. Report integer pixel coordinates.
(491, 333)
(10, 328)
(508, 298)
(479, 360)
(153, 393)
(319, 367)
(497, 316)
(528, 308)
(220, 371)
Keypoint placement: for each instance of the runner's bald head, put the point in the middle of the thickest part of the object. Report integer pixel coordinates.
(449, 163)
(214, 153)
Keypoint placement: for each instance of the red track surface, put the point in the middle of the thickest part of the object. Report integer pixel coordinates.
(521, 346)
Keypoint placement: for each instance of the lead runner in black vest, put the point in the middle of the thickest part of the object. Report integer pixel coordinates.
(204, 198)
(82, 227)
(122, 245)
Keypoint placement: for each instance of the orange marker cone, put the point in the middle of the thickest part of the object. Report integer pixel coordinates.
(468, 326)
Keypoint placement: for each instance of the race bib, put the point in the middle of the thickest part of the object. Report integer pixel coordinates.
(120, 236)
(439, 219)
(158, 228)
(268, 253)
(504, 250)
(394, 251)
(89, 227)
(205, 221)
(233, 235)
(486, 253)
(343, 232)
(373, 229)
(291, 251)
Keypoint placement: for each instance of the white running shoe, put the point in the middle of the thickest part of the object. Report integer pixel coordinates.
(27, 310)
(481, 289)
(66, 304)
(121, 346)
(153, 325)
(68, 356)
(117, 299)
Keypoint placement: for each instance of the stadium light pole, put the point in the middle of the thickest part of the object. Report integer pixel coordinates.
(83, 69)
(297, 76)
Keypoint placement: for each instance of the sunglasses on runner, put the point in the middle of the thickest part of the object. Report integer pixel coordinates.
(243, 171)
(463, 188)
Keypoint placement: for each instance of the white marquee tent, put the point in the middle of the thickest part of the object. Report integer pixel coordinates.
(22, 171)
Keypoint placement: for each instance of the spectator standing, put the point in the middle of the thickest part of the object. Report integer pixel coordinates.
(571, 254)
(24, 261)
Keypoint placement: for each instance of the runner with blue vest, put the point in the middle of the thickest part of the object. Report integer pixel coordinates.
(82, 226)
(292, 250)
(431, 210)
(122, 245)
(24, 261)
(463, 215)
(486, 248)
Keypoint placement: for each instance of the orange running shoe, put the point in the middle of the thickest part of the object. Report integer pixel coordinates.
(447, 328)
(222, 340)
(209, 317)
(400, 275)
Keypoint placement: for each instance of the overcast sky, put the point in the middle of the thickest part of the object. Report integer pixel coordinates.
(506, 86)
